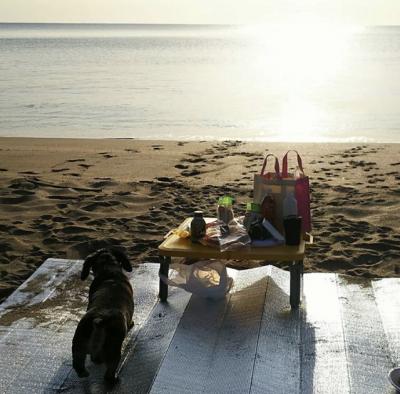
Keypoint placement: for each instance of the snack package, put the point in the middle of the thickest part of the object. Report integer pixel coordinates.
(226, 236)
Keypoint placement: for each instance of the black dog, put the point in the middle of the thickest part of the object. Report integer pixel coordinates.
(102, 330)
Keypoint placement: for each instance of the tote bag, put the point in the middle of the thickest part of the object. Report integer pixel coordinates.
(278, 184)
(302, 190)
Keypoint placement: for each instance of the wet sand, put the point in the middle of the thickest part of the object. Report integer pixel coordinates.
(65, 198)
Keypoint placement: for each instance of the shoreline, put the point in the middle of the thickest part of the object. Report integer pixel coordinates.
(250, 141)
(66, 197)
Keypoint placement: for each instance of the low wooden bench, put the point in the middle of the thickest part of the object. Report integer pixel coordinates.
(174, 246)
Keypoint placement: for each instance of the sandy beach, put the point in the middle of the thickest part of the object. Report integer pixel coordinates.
(67, 197)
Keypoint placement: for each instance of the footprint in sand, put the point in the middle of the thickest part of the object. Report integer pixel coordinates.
(20, 231)
(86, 166)
(43, 227)
(61, 197)
(106, 155)
(59, 169)
(192, 172)
(50, 240)
(74, 174)
(15, 199)
(76, 229)
(165, 179)
(196, 160)
(59, 219)
(182, 166)
(100, 183)
(28, 173)
(82, 249)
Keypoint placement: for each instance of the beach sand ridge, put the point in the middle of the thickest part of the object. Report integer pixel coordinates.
(64, 198)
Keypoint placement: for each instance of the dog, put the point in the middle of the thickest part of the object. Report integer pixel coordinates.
(108, 318)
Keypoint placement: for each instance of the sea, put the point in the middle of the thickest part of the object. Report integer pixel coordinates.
(200, 82)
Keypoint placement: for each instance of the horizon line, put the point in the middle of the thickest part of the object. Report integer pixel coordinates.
(173, 24)
(121, 23)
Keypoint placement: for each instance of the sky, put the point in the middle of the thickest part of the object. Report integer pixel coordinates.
(343, 12)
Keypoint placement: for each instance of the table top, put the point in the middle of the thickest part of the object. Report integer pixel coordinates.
(180, 247)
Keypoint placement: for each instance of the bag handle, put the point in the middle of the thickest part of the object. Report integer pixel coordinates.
(276, 165)
(285, 163)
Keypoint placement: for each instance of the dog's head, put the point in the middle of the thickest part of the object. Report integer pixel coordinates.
(106, 259)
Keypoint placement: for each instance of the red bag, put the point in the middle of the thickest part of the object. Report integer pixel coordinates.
(278, 184)
(302, 190)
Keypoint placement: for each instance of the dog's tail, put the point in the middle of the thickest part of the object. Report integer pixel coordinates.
(97, 338)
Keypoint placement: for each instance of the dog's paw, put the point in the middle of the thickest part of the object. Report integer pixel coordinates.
(111, 380)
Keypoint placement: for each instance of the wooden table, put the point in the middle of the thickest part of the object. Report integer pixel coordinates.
(174, 246)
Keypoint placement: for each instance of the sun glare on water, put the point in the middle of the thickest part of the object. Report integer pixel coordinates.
(298, 63)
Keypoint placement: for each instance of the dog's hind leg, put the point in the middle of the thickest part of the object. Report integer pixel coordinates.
(112, 352)
(97, 341)
(79, 347)
(112, 365)
(112, 349)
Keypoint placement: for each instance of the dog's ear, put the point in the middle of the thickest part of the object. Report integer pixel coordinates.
(121, 258)
(87, 264)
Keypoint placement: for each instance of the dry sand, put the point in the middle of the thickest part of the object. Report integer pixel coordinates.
(65, 198)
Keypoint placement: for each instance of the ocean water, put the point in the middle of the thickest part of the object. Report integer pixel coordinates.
(273, 83)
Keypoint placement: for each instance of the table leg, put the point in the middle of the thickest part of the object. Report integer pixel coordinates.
(164, 268)
(296, 283)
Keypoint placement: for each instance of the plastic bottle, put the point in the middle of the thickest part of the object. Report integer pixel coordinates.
(252, 214)
(225, 210)
(197, 227)
(289, 205)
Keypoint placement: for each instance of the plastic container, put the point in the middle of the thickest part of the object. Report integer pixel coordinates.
(197, 227)
(225, 210)
(289, 205)
(253, 214)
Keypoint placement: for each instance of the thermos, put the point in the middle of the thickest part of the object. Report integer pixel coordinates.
(291, 221)
(197, 227)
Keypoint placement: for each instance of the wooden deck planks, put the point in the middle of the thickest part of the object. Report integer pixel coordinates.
(277, 362)
(36, 351)
(231, 367)
(367, 352)
(31, 352)
(387, 296)
(192, 348)
(51, 274)
(323, 358)
(153, 341)
(344, 338)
